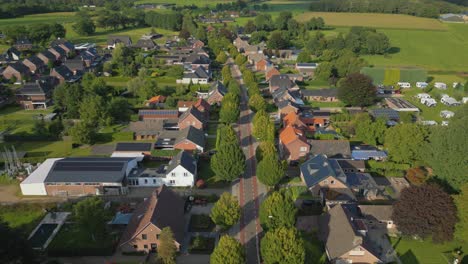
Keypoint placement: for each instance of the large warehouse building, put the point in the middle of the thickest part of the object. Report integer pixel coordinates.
(79, 176)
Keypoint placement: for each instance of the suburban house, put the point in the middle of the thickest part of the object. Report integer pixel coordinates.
(34, 64)
(76, 65)
(190, 139)
(320, 95)
(281, 81)
(307, 69)
(203, 106)
(79, 177)
(334, 149)
(293, 144)
(156, 101)
(36, 95)
(272, 71)
(197, 44)
(150, 129)
(10, 55)
(303, 122)
(366, 152)
(145, 114)
(113, 41)
(325, 180)
(23, 44)
(263, 64)
(59, 53)
(377, 214)
(181, 171)
(164, 208)
(216, 93)
(198, 76)
(145, 44)
(47, 57)
(285, 107)
(345, 237)
(132, 150)
(195, 60)
(65, 45)
(16, 70)
(240, 44)
(385, 113)
(287, 54)
(63, 74)
(183, 106)
(192, 117)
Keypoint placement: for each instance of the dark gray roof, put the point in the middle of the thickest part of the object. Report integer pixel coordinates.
(111, 40)
(197, 59)
(59, 50)
(23, 41)
(35, 60)
(331, 92)
(352, 164)
(95, 170)
(316, 169)
(41, 86)
(386, 113)
(75, 64)
(200, 72)
(281, 81)
(65, 42)
(331, 148)
(195, 112)
(145, 43)
(48, 55)
(64, 71)
(133, 146)
(192, 134)
(184, 159)
(20, 67)
(219, 86)
(378, 212)
(13, 50)
(284, 103)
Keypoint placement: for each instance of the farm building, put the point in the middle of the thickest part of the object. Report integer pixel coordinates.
(79, 177)
(132, 150)
(387, 114)
(401, 105)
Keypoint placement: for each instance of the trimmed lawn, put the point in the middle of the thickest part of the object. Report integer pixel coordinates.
(71, 240)
(201, 245)
(16, 120)
(201, 223)
(207, 174)
(23, 216)
(59, 17)
(413, 251)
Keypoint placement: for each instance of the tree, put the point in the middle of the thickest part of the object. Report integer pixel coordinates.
(229, 112)
(370, 132)
(425, 211)
(324, 71)
(93, 111)
(226, 211)
(277, 211)
(84, 25)
(446, 152)
(226, 73)
(222, 57)
(250, 27)
(282, 245)
(167, 249)
(229, 162)
(269, 170)
(257, 103)
(40, 128)
(92, 217)
(84, 133)
(461, 201)
(277, 40)
(119, 110)
(201, 34)
(67, 98)
(405, 142)
(228, 251)
(240, 59)
(357, 90)
(263, 127)
(14, 246)
(304, 57)
(263, 21)
(282, 20)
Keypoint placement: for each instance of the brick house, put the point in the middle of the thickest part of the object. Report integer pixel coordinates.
(62, 73)
(321, 95)
(59, 53)
(17, 70)
(192, 117)
(23, 44)
(281, 81)
(164, 208)
(272, 71)
(47, 57)
(216, 93)
(35, 64)
(36, 95)
(190, 139)
(262, 65)
(204, 107)
(286, 107)
(65, 45)
(146, 114)
(293, 144)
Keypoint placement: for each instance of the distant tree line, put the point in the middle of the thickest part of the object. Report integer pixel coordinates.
(39, 33)
(17, 8)
(422, 8)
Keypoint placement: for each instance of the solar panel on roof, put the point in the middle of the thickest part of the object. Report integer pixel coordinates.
(88, 166)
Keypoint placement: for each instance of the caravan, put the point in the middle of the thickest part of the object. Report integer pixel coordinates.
(404, 84)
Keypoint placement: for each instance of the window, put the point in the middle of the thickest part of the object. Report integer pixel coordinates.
(157, 236)
(325, 182)
(154, 181)
(145, 246)
(146, 181)
(144, 237)
(135, 246)
(173, 174)
(172, 181)
(332, 181)
(303, 149)
(185, 174)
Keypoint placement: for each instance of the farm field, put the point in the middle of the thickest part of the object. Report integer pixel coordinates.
(183, 2)
(60, 17)
(375, 20)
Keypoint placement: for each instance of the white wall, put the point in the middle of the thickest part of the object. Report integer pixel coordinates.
(178, 180)
(33, 189)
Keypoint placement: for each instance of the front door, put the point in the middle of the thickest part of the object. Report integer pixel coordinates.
(153, 247)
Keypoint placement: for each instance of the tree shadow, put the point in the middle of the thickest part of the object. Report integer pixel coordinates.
(393, 50)
(409, 257)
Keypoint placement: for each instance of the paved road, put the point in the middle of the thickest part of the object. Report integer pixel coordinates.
(249, 189)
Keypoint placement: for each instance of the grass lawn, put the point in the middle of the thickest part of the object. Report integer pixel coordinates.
(183, 2)
(375, 20)
(206, 173)
(315, 251)
(201, 245)
(212, 128)
(153, 163)
(59, 17)
(432, 50)
(23, 216)
(424, 252)
(314, 84)
(71, 240)
(325, 104)
(15, 119)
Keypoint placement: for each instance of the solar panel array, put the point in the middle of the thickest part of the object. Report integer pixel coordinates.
(158, 112)
(88, 166)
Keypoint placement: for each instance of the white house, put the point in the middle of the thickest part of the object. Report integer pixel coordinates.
(440, 85)
(181, 171)
(198, 76)
(404, 84)
(422, 84)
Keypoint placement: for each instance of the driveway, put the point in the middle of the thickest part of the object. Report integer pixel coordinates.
(378, 236)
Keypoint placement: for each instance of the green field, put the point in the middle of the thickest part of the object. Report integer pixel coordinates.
(424, 252)
(62, 17)
(183, 2)
(390, 76)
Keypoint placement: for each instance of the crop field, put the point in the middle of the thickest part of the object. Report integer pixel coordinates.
(375, 20)
(432, 50)
(390, 76)
(61, 17)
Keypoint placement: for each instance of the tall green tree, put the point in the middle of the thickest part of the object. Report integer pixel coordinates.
(370, 132)
(282, 245)
(257, 103)
(277, 211)
(84, 25)
(226, 74)
(278, 40)
(405, 142)
(167, 249)
(93, 111)
(222, 57)
(357, 90)
(461, 201)
(229, 112)
(92, 217)
(229, 162)
(228, 251)
(226, 211)
(446, 151)
(263, 127)
(84, 133)
(270, 171)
